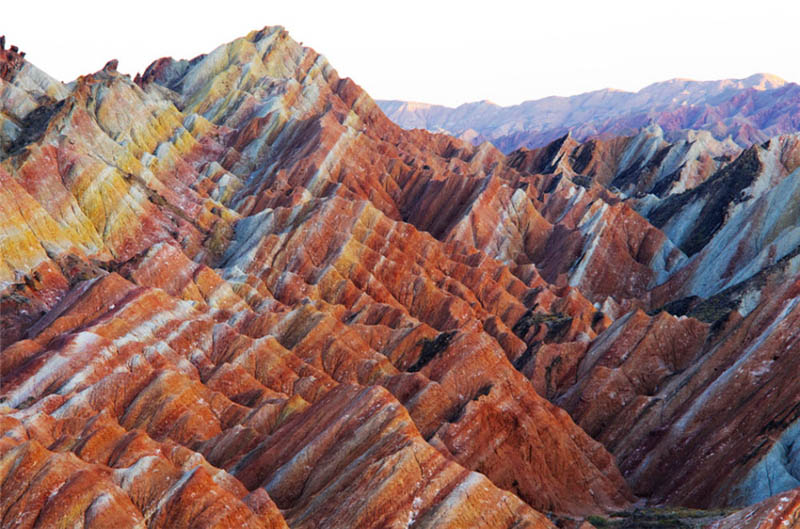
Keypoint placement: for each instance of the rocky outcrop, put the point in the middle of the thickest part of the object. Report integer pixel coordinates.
(776, 512)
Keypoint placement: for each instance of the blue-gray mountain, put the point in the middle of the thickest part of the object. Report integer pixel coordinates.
(741, 111)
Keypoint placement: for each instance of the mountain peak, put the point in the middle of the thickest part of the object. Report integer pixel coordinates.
(765, 81)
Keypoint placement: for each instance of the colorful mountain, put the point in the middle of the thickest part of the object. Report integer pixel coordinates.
(234, 293)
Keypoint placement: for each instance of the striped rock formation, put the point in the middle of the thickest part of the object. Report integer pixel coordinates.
(235, 293)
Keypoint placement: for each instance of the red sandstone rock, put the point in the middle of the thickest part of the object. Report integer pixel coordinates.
(267, 304)
(778, 512)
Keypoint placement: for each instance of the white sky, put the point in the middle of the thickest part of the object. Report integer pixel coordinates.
(437, 51)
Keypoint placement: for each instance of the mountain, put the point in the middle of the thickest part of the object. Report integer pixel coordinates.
(742, 111)
(234, 293)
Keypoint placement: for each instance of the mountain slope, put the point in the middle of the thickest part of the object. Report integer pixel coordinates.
(317, 285)
(234, 292)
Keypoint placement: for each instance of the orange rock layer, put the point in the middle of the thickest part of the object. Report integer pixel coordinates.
(234, 293)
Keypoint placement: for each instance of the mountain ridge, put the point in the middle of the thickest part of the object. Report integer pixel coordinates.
(235, 293)
(677, 105)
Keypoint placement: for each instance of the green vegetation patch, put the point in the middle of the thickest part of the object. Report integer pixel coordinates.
(659, 518)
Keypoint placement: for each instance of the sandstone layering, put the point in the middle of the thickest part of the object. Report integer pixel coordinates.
(235, 294)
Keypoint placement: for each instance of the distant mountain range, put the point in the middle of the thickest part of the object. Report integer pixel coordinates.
(747, 111)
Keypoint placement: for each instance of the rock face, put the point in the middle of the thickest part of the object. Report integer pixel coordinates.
(235, 293)
(656, 388)
(776, 512)
(743, 111)
(219, 317)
